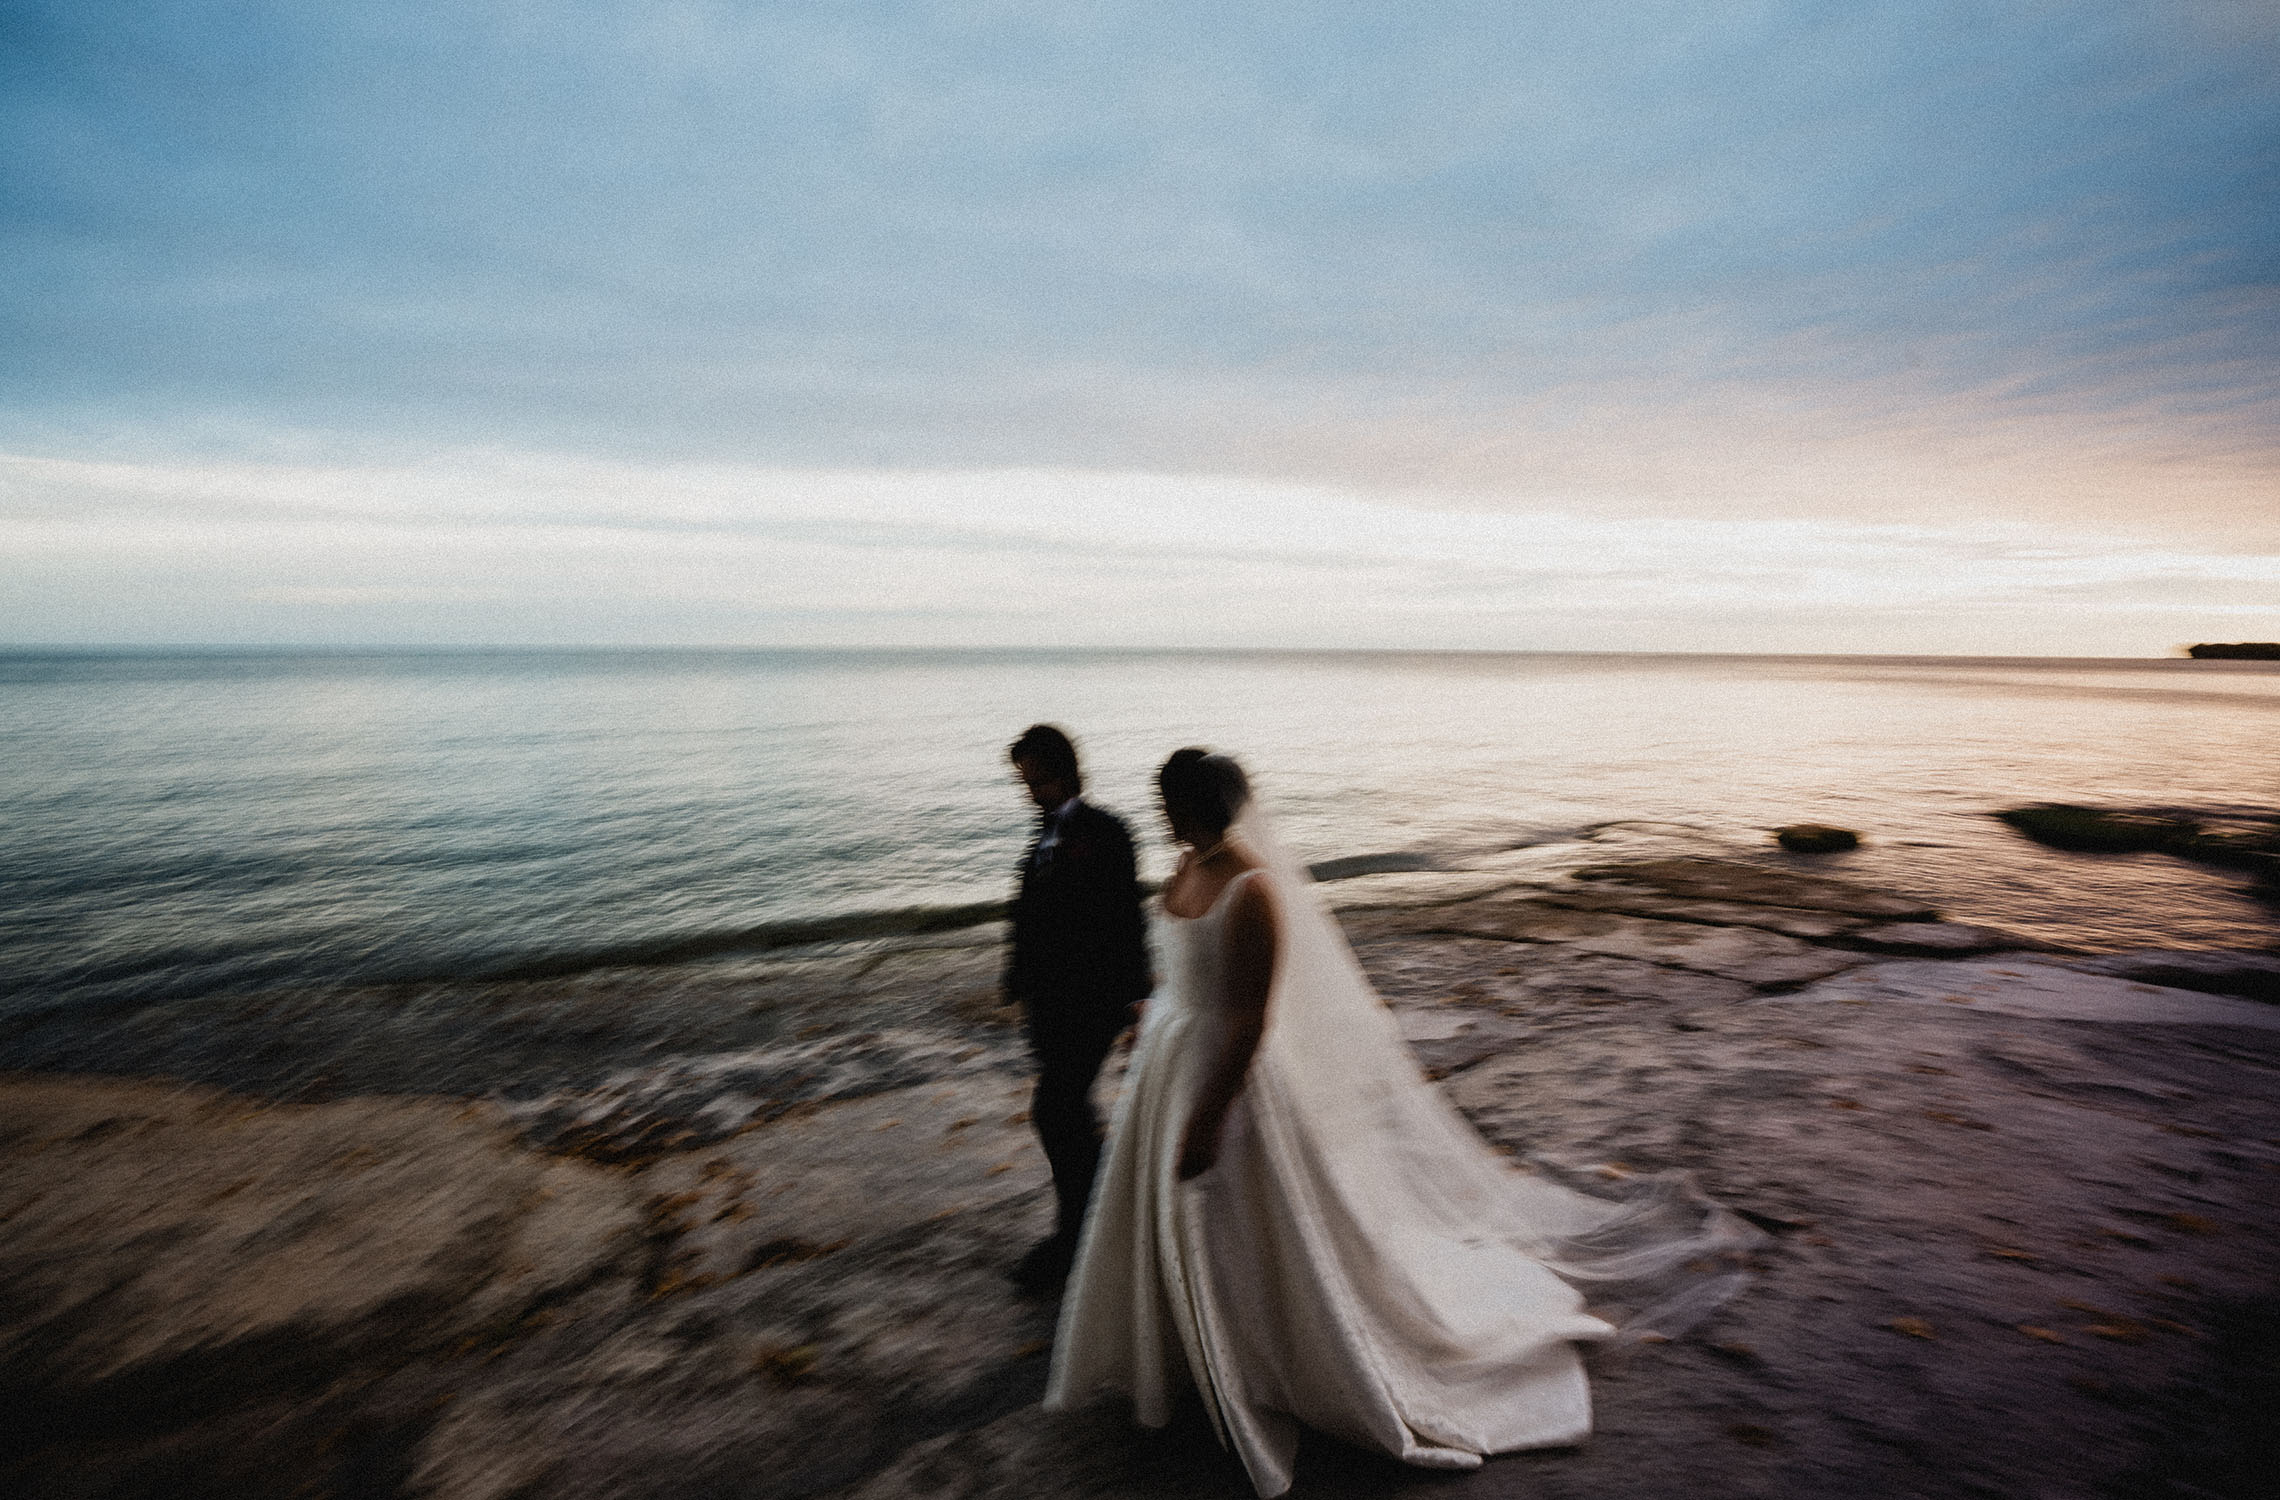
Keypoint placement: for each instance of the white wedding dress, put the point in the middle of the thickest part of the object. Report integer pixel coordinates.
(1358, 1261)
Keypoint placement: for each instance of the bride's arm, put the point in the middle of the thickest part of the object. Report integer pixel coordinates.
(1250, 937)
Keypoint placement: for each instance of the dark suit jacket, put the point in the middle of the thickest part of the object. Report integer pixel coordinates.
(1079, 938)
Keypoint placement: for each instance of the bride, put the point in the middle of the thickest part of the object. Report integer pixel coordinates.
(1298, 1227)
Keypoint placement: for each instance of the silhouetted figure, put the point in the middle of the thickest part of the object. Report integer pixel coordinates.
(1077, 965)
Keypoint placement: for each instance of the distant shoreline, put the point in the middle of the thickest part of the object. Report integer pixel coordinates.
(38, 651)
(2235, 651)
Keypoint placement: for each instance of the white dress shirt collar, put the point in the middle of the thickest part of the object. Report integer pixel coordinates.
(1053, 824)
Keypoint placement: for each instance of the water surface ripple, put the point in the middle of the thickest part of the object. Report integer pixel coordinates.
(188, 824)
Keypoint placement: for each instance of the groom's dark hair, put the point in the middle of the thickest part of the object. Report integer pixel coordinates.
(1050, 748)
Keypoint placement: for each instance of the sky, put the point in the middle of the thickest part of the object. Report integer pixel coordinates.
(1767, 325)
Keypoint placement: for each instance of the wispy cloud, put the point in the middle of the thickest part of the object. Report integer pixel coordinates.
(1678, 271)
(554, 550)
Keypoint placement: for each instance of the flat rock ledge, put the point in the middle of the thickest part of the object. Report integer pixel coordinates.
(173, 1254)
(2021, 1210)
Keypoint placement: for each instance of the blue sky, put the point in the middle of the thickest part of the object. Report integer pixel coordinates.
(1765, 326)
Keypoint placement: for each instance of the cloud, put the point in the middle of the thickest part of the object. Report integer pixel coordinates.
(1651, 265)
(493, 546)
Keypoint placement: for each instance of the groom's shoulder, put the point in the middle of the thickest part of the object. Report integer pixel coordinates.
(1101, 818)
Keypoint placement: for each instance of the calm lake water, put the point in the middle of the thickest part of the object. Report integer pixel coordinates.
(179, 825)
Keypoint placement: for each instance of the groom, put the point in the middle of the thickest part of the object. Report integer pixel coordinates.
(1077, 965)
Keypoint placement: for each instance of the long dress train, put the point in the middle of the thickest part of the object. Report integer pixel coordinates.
(1358, 1261)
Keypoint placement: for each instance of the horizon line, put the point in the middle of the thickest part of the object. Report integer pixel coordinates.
(225, 648)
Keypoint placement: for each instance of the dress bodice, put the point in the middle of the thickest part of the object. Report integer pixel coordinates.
(1196, 948)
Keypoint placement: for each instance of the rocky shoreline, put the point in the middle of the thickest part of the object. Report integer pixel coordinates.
(747, 1237)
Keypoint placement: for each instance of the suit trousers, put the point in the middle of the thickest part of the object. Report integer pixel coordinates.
(1070, 1036)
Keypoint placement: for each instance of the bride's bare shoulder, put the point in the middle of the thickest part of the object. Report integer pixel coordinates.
(1251, 898)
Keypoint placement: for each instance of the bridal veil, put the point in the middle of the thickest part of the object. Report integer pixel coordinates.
(1359, 1261)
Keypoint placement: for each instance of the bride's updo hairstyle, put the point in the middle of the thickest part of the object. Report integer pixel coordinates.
(1203, 790)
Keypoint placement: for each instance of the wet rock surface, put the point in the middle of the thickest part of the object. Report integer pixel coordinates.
(1816, 838)
(2012, 1251)
(1937, 939)
(2003, 1262)
(2018, 985)
(2236, 838)
(1725, 880)
(2252, 976)
(175, 1255)
(1751, 956)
